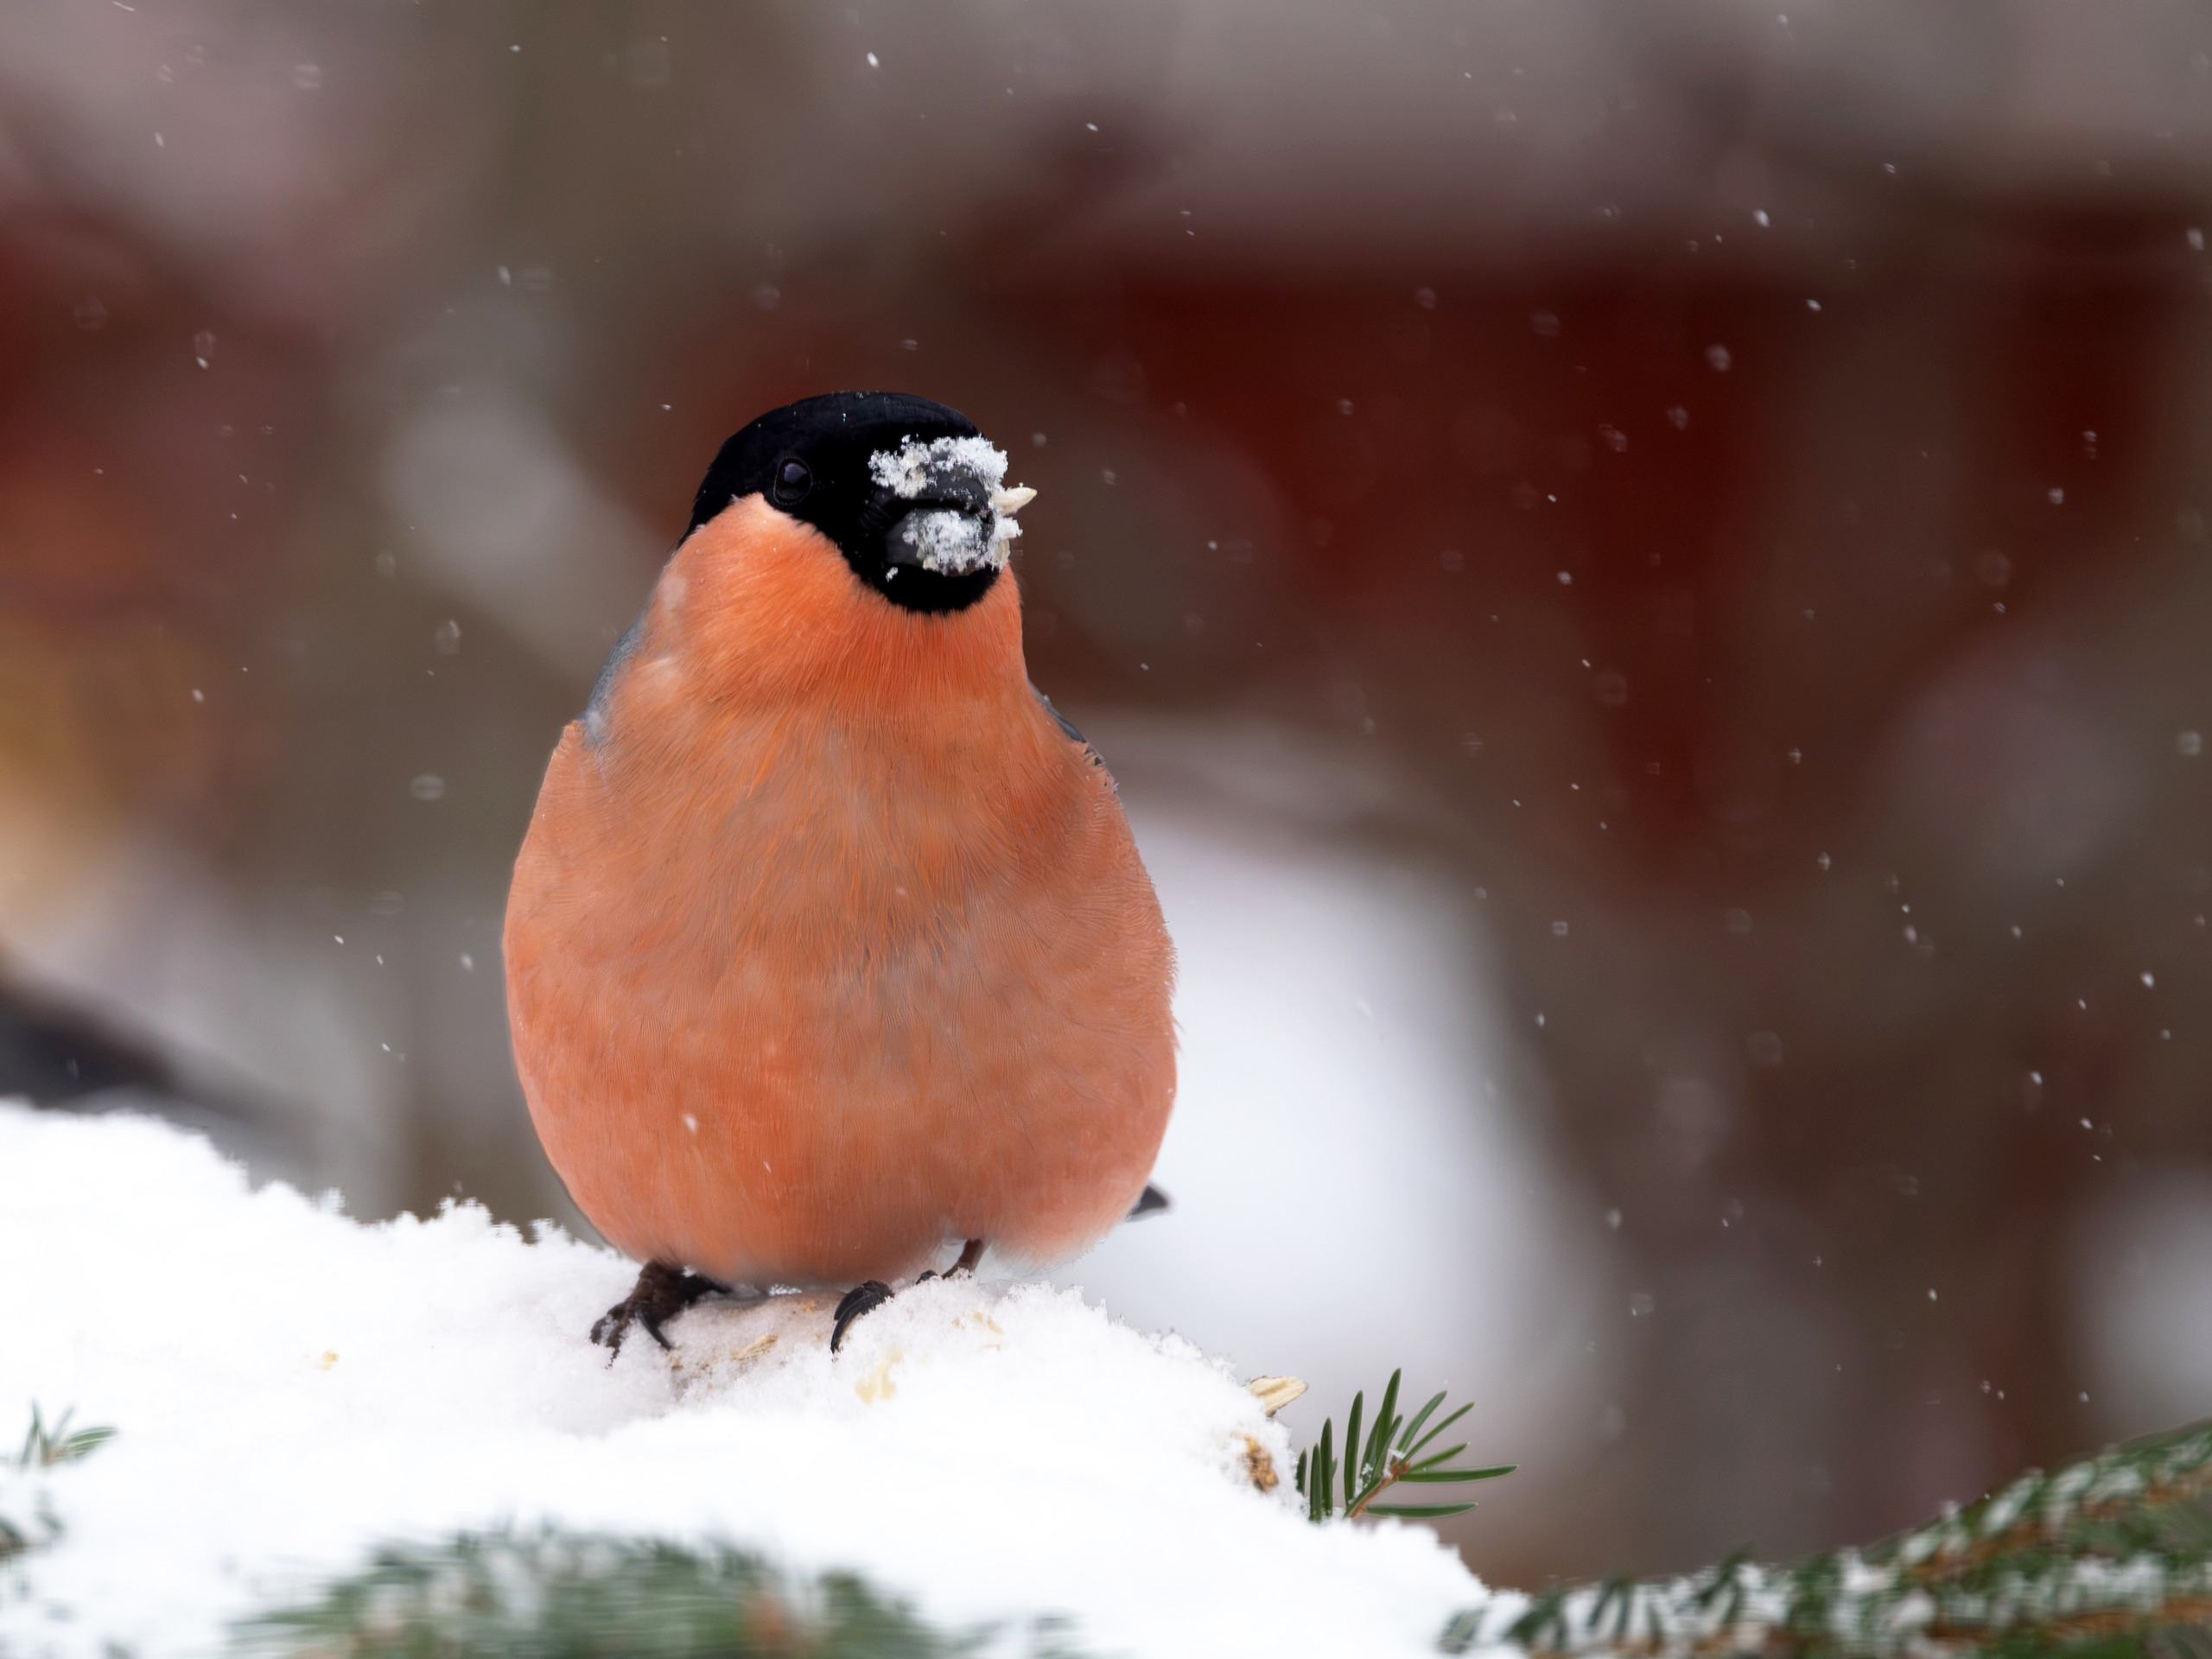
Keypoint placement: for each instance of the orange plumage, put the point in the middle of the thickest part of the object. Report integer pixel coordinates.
(828, 946)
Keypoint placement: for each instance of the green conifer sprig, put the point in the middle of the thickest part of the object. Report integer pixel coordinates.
(27, 1518)
(1391, 1453)
(2109, 1558)
(46, 1445)
(557, 1594)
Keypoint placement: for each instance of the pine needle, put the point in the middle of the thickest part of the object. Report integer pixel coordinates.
(44, 1446)
(1391, 1453)
(2109, 1558)
(555, 1594)
(23, 1529)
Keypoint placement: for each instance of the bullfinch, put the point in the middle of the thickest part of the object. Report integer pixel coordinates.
(828, 947)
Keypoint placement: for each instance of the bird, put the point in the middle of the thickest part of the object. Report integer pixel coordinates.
(828, 947)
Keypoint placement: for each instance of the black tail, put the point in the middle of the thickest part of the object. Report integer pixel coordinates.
(1151, 1203)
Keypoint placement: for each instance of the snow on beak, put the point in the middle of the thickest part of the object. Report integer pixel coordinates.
(963, 517)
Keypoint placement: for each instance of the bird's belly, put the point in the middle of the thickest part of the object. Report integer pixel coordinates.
(812, 1089)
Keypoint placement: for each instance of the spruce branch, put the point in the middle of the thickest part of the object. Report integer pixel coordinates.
(1391, 1454)
(44, 1446)
(555, 1594)
(27, 1518)
(2110, 1557)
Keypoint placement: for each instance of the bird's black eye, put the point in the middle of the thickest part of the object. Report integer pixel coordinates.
(793, 480)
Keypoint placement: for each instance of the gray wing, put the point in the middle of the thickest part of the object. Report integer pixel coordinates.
(1067, 726)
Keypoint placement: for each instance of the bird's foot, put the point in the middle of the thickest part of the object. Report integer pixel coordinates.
(861, 1299)
(867, 1298)
(661, 1293)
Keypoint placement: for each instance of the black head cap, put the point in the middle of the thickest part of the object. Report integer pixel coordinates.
(811, 460)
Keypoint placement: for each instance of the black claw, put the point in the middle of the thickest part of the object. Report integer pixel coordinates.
(861, 1299)
(660, 1294)
(1151, 1203)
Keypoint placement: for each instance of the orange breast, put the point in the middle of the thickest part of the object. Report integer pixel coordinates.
(826, 945)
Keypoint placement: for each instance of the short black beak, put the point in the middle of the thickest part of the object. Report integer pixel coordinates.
(902, 545)
(959, 523)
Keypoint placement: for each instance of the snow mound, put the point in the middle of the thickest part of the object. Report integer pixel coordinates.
(291, 1387)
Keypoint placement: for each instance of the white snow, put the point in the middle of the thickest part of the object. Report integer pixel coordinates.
(952, 543)
(914, 467)
(947, 542)
(291, 1386)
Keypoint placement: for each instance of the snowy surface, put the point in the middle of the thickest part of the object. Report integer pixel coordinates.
(291, 1386)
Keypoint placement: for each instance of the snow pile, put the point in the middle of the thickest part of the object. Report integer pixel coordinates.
(291, 1387)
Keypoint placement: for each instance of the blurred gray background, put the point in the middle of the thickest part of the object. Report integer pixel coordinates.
(1643, 567)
